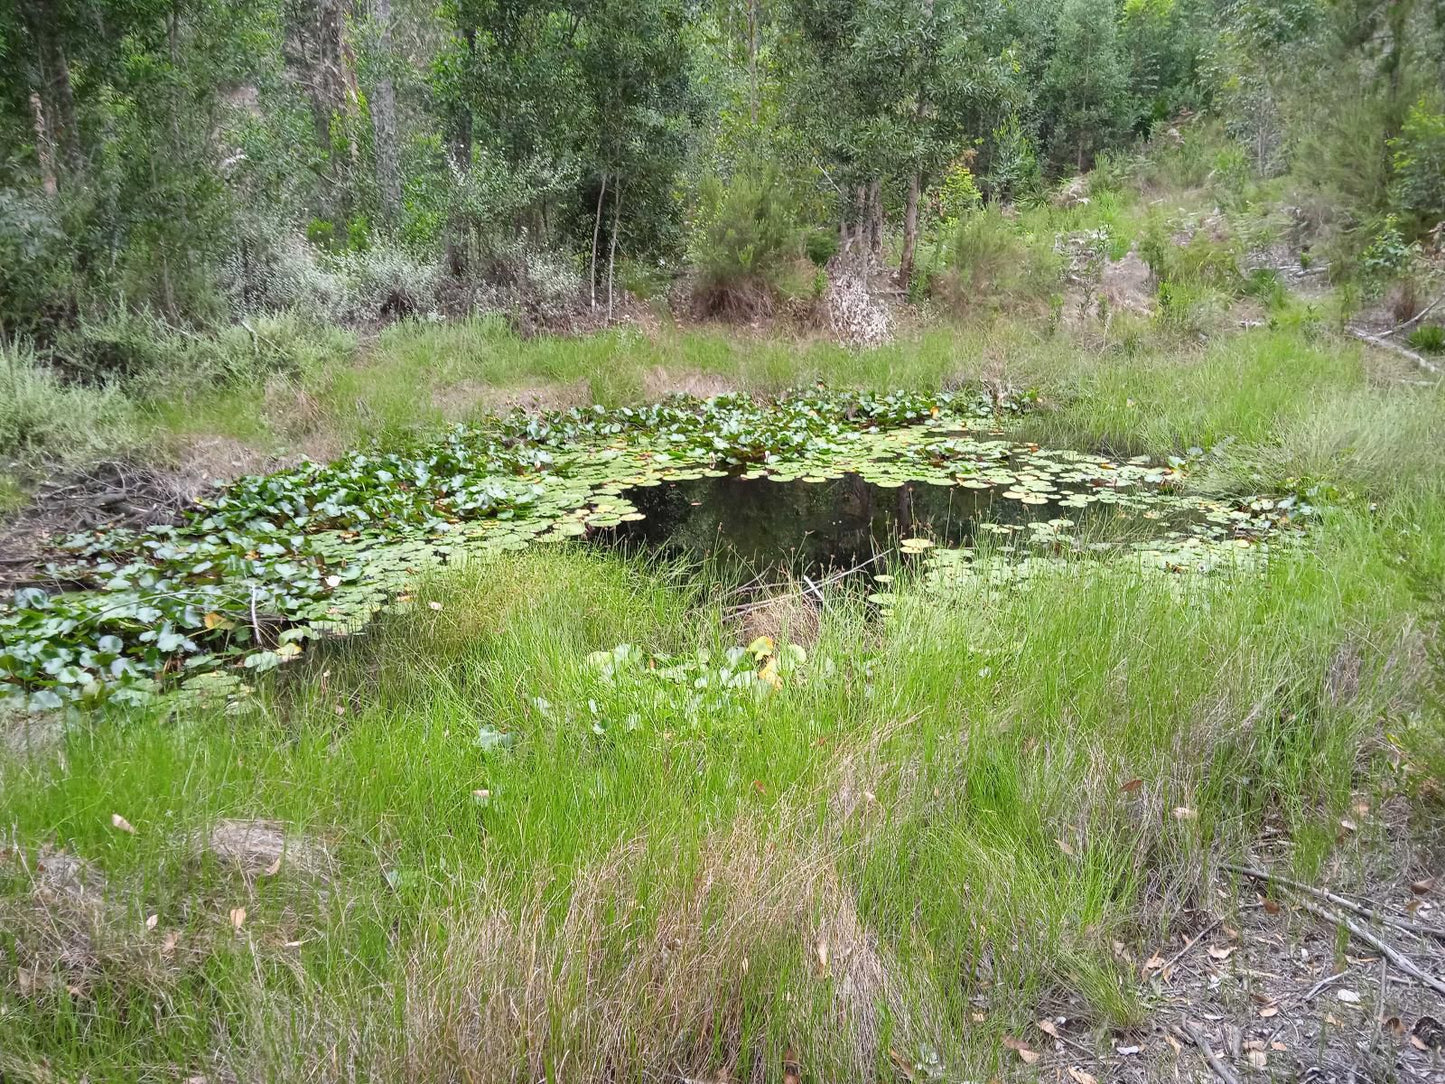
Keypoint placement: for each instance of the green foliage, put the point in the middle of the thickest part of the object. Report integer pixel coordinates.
(1206, 259)
(1388, 255)
(958, 195)
(1429, 338)
(1264, 285)
(744, 237)
(1418, 162)
(44, 418)
(990, 263)
(1086, 87)
(1013, 167)
(36, 273)
(1191, 308)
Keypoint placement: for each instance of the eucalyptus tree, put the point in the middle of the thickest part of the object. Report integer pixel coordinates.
(1086, 86)
(890, 93)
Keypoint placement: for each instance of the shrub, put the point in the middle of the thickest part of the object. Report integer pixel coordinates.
(989, 262)
(1417, 160)
(1206, 259)
(1191, 309)
(743, 240)
(1388, 255)
(1430, 338)
(821, 245)
(44, 417)
(1013, 167)
(35, 265)
(116, 348)
(1264, 285)
(281, 274)
(148, 359)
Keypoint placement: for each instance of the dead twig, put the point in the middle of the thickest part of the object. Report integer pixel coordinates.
(1189, 945)
(811, 588)
(1403, 324)
(1317, 987)
(1192, 1034)
(1416, 928)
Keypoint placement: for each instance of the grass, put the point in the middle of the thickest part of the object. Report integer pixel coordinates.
(977, 811)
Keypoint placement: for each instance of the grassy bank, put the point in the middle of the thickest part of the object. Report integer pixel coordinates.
(503, 863)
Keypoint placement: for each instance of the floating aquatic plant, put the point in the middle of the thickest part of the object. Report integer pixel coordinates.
(270, 562)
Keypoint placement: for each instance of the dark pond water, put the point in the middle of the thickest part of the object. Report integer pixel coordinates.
(809, 526)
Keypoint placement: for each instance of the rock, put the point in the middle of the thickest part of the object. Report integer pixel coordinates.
(1128, 284)
(1073, 194)
(263, 848)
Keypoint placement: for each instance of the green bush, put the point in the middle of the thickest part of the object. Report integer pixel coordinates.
(1388, 255)
(744, 241)
(821, 245)
(149, 359)
(990, 262)
(1191, 309)
(35, 265)
(1204, 260)
(1429, 338)
(44, 417)
(1264, 285)
(1418, 162)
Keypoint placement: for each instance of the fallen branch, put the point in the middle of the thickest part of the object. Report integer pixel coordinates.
(1417, 928)
(811, 588)
(1317, 987)
(1394, 955)
(1386, 344)
(1403, 324)
(1216, 1063)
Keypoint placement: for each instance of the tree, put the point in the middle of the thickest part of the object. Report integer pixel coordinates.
(1086, 87)
(888, 93)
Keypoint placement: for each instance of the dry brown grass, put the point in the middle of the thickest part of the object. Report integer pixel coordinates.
(647, 965)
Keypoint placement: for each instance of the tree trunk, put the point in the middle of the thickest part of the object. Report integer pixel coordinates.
(910, 233)
(612, 252)
(596, 232)
(753, 60)
(315, 50)
(50, 80)
(44, 148)
(461, 155)
(64, 100)
(875, 220)
(383, 120)
(855, 231)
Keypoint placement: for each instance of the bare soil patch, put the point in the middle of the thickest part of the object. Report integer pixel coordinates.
(102, 496)
(660, 382)
(457, 402)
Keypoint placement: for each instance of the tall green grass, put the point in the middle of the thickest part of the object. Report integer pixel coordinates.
(628, 885)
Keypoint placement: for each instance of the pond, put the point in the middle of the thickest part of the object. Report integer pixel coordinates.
(814, 480)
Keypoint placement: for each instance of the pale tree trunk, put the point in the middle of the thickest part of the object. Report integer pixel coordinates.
(596, 232)
(753, 60)
(461, 155)
(383, 119)
(65, 105)
(612, 251)
(910, 232)
(50, 82)
(854, 228)
(315, 49)
(875, 219)
(44, 148)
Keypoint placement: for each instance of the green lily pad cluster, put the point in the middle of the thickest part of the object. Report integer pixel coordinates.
(271, 562)
(691, 690)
